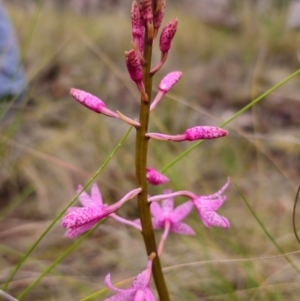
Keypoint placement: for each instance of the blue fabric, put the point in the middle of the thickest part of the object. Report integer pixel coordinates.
(12, 80)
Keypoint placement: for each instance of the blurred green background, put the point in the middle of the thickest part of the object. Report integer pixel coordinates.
(230, 52)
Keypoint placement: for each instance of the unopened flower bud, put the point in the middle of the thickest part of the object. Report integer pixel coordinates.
(137, 24)
(192, 134)
(147, 16)
(167, 35)
(154, 177)
(92, 102)
(134, 68)
(165, 85)
(159, 15)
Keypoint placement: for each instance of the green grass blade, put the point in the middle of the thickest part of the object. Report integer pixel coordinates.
(266, 231)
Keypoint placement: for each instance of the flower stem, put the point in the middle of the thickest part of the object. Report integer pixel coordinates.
(141, 162)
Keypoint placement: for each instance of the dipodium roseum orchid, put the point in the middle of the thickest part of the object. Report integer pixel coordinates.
(206, 205)
(166, 216)
(80, 219)
(139, 290)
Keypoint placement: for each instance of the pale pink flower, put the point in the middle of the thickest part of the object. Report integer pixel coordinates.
(166, 214)
(154, 177)
(80, 219)
(206, 205)
(139, 290)
(165, 85)
(92, 102)
(192, 134)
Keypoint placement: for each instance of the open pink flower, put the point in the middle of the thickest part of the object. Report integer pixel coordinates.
(166, 214)
(154, 177)
(139, 290)
(92, 102)
(80, 219)
(207, 205)
(192, 134)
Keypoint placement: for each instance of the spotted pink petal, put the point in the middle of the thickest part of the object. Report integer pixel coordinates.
(84, 198)
(209, 204)
(134, 66)
(154, 177)
(84, 216)
(108, 283)
(211, 218)
(182, 228)
(204, 132)
(157, 223)
(167, 35)
(156, 210)
(96, 195)
(74, 232)
(167, 205)
(140, 281)
(181, 211)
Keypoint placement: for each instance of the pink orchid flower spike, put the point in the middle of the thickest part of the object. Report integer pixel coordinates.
(80, 219)
(154, 177)
(92, 102)
(139, 290)
(166, 214)
(207, 205)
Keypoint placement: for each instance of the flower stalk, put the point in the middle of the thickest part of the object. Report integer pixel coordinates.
(141, 165)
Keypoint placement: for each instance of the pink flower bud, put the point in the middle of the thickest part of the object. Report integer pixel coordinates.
(146, 10)
(165, 85)
(154, 177)
(134, 68)
(159, 15)
(204, 132)
(191, 134)
(92, 102)
(137, 24)
(167, 35)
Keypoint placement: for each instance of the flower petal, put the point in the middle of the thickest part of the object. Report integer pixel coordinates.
(182, 228)
(83, 216)
(96, 195)
(211, 218)
(209, 204)
(181, 211)
(148, 295)
(156, 210)
(140, 280)
(73, 232)
(108, 283)
(157, 224)
(126, 295)
(167, 205)
(84, 198)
